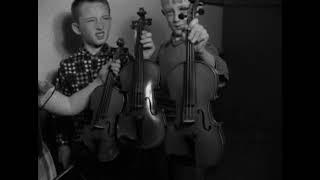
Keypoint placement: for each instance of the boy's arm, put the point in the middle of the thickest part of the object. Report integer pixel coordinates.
(58, 103)
(211, 56)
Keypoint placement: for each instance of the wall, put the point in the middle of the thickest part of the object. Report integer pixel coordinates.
(56, 39)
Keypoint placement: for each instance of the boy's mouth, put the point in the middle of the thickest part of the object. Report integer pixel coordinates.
(100, 35)
(179, 26)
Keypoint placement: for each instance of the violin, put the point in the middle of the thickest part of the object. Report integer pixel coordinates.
(141, 124)
(106, 102)
(192, 84)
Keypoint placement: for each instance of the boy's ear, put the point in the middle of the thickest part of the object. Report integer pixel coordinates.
(75, 28)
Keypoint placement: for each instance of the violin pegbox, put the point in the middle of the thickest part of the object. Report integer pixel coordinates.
(195, 9)
(122, 52)
(142, 20)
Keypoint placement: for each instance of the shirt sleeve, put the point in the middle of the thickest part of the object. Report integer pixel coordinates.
(220, 65)
(62, 84)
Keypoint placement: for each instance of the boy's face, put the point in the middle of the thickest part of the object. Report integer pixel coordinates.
(171, 9)
(94, 23)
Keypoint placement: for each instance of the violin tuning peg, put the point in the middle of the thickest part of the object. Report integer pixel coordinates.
(133, 24)
(201, 11)
(182, 16)
(120, 42)
(141, 12)
(149, 21)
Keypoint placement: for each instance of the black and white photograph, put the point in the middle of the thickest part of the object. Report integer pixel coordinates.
(159, 90)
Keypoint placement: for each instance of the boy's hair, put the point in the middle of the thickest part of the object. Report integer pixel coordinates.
(77, 3)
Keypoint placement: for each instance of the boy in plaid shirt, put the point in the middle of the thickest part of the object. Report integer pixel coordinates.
(92, 21)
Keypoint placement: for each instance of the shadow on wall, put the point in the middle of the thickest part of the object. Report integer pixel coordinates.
(52, 76)
(124, 31)
(66, 41)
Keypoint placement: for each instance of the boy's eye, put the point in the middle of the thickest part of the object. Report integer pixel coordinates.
(169, 13)
(90, 20)
(106, 17)
(184, 9)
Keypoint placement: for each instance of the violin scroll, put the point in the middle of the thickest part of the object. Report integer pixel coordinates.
(142, 21)
(196, 5)
(122, 52)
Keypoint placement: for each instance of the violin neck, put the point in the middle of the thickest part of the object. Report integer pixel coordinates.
(189, 76)
(105, 98)
(138, 69)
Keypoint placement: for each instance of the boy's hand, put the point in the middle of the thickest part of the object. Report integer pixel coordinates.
(102, 75)
(113, 65)
(198, 35)
(147, 43)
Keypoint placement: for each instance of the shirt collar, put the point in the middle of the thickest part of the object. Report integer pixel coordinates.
(103, 51)
(176, 40)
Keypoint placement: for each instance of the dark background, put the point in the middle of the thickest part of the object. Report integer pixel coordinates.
(251, 105)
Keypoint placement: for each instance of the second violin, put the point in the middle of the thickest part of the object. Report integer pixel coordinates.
(106, 102)
(141, 123)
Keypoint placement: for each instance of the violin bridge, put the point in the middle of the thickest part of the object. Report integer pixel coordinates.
(188, 121)
(98, 126)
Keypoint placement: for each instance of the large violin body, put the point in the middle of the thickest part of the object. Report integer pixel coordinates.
(106, 102)
(141, 124)
(192, 84)
(199, 110)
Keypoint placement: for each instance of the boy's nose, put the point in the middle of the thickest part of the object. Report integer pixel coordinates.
(99, 25)
(176, 17)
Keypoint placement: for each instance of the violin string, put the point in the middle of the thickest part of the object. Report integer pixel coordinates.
(189, 80)
(194, 89)
(134, 71)
(185, 103)
(141, 67)
(110, 80)
(189, 70)
(140, 51)
(138, 73)
(192, 69)
(105, 99)
(99, 107)
(102, 101)
(191, 73)
(108, 93)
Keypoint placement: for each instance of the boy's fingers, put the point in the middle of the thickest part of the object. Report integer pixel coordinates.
(193, 22)
(147, 40)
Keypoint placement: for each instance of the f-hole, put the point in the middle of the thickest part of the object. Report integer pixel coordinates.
(205, 127)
